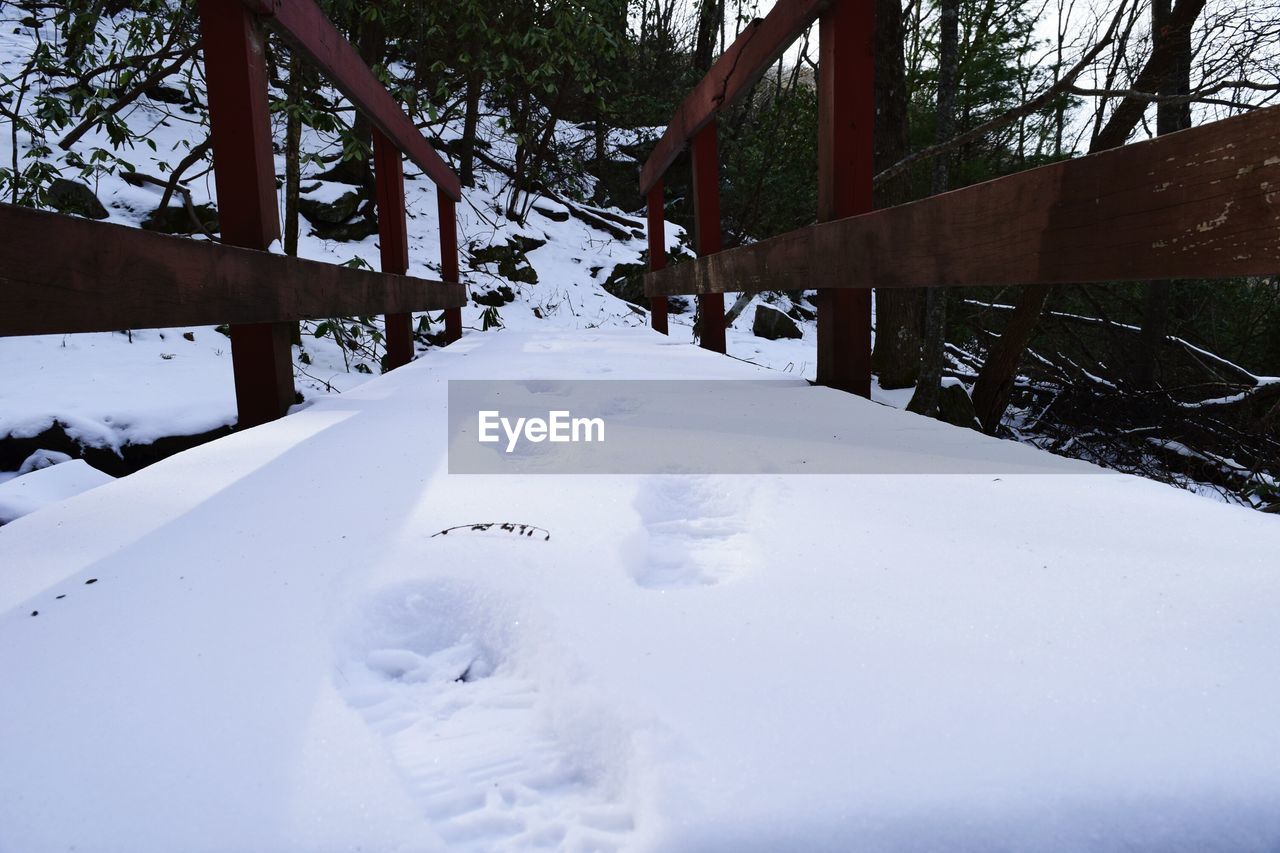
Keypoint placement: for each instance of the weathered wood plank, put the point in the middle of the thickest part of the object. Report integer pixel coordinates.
(731, 76)
(61, 274)
(1202, 203)
(306, 28)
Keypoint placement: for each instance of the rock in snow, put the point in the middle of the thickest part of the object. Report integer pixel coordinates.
(771, 324)
(73, 197)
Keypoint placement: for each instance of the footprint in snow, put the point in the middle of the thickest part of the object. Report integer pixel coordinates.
(431, 670)
(695, 531)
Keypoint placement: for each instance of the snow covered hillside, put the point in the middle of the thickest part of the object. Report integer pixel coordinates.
(262, 644)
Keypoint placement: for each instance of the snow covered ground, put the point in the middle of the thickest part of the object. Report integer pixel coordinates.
(260, 644)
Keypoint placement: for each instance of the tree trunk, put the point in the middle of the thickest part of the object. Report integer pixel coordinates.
(899, 312)
(929, 386)
(371, 44)
(470, 125)
(292, 154)
(1156, 299)
(1129, 112)
(293, 165)
(995, 379)
(710, 20)
(1170, 118)
(739, 305)
(602, 156)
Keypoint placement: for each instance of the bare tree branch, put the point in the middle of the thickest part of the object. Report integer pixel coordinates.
(1202, 95)
(1062, 86)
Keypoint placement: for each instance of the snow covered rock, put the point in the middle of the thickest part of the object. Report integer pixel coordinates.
(510, 258)
(43, 482)
(955, 406)
(330, 212)
(177, 219)
(67, 196)
(42, 459)
(771, 324)
(495, 297)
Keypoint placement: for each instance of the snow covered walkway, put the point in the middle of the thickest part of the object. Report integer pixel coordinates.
(259, 645)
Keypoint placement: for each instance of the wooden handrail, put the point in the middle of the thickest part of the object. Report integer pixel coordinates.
(305, 27)
(1201, 203)
(61, 274)
(732, 76)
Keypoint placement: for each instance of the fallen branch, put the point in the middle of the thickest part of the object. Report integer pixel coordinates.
(171, 186)
(575, 210)
(505, 526)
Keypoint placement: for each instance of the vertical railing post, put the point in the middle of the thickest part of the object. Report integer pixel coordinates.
(846, 116)
(245, 177)
(707, 237)
(449, 260)
(393, 239)
(657, 227)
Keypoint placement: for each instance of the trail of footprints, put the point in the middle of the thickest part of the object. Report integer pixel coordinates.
(695, 533)
(472, 741)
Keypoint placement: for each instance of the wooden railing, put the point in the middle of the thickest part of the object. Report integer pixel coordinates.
(61, 274)
(1202, 203)
(104, 278)
(846, 112)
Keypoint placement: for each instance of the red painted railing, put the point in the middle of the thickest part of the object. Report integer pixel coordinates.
(1201, 203)
(63, 274)
(845, 117)
(236, 75)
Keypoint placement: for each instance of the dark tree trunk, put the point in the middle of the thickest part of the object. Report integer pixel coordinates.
(929, 386)
(899, 312)
(292, 154)
(470, 124)
(293, 164)
(371, 43)
(1170, 118)
(995, 379)
(710, 20)
(602, 156)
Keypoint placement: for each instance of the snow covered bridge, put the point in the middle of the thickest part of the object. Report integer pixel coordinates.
(315, 634)
(262, 644)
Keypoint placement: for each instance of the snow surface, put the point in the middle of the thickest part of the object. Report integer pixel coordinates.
(263, 646)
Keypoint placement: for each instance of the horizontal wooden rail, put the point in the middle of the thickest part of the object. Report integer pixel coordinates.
(1201, 203)
(306, 28)
(732, 76)
(62, 274)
